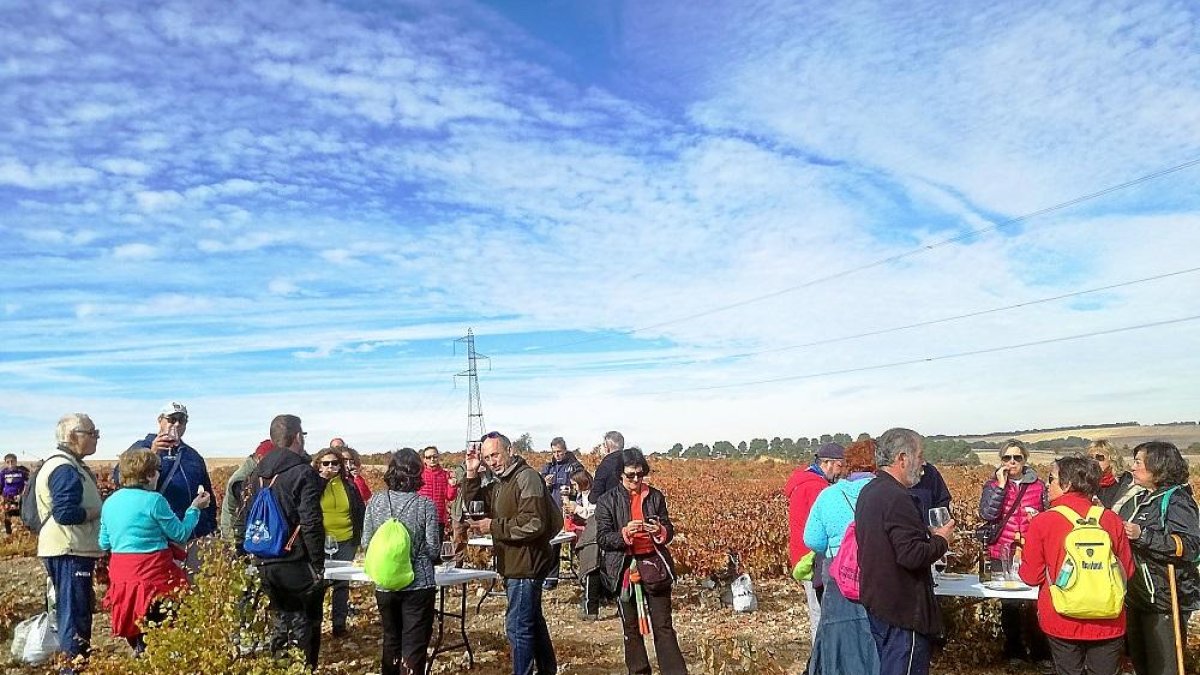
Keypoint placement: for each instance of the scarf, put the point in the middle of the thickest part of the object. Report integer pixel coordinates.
(1108, 479)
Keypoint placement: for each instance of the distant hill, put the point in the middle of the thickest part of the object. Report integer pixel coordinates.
(1182, 434)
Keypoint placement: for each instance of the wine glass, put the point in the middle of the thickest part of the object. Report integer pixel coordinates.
(475, 510)
(448, 555)
(939, 516)
(331, 545)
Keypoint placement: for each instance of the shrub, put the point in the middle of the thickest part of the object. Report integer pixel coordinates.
(208, 625)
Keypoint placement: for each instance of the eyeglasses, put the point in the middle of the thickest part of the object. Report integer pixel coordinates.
(636, 475)
(1013, 458)
(330, 462)
(1099, 458)
(94, 433)
(178, 418)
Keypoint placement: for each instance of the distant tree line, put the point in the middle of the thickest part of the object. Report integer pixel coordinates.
(945, 451)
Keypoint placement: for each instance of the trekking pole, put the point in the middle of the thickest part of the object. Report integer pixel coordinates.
(1175, 618)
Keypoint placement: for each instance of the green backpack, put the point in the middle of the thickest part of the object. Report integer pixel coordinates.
(389, 553)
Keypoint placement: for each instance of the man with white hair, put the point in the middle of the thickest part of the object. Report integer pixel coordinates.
(895, 551)
(608, 473)
(68, 504)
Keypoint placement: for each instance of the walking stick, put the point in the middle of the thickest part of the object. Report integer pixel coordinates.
(1175, 618)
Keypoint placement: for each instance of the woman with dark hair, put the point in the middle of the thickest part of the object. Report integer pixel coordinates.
(1078, 646)
(633, 529)
(342, 510)
(1010, 500)
(843, 642)
(407, 614)
(1163, 526)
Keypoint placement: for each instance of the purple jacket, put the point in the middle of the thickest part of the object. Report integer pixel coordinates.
(14, 480)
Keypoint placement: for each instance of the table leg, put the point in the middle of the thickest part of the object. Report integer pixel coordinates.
(461, 615)
(441, 624)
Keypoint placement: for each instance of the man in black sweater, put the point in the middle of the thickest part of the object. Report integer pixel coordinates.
(294, 581)
(895, 550)
(608, 473)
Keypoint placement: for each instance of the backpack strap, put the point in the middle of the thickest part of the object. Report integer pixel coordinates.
(1095, 512)
(171, 474)
(1070, 514)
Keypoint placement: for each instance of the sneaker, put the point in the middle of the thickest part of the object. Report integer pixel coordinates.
(550, 584)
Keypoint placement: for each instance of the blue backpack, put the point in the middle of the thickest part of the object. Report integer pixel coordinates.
(266, 528)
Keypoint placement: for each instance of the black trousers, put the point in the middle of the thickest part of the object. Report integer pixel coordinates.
(666, 643)
(1151, 640)
(407, 618)
(1018, 619)
(1086, 657)
(296, 596)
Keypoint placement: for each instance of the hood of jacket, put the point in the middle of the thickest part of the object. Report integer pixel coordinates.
(279, 460)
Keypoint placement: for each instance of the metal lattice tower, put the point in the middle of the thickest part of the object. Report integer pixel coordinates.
(475, 424)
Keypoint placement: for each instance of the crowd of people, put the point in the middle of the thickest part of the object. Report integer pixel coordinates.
(289, 512)
(1113, 555)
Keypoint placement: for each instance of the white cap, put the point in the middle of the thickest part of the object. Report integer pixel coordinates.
(173, 408)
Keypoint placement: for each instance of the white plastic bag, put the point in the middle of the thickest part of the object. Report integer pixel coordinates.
(744, 599)
(35, 639)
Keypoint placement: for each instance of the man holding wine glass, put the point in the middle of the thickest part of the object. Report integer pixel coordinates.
(521, 519)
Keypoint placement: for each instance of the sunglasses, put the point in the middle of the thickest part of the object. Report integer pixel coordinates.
(1099, 458)
(490, 434)
(636, 475)
(1050, 479)
(1013, 458)
(177, 419)
(431, 456)
(330, 462)
(94, 433)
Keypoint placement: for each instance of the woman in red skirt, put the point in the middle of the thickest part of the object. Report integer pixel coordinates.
(146, 539)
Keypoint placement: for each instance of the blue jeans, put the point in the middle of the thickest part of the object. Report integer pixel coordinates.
(525, 627)
(74, 595)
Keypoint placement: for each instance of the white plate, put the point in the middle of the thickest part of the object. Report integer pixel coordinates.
(1013, 586)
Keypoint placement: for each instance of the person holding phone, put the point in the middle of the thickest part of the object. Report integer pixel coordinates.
(633, 529)
(1010, 500)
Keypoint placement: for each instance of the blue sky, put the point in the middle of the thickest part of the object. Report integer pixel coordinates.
(272, 207)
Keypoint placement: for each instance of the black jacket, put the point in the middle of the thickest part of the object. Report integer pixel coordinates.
(1109, 495)
(895, 551)
(298, 489)
(608, 477)
(613, 513)
(930, 492)
(1172, 538)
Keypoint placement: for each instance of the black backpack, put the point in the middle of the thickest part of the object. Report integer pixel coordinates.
(29, 506)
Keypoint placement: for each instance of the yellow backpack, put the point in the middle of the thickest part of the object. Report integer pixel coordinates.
(1090, 584)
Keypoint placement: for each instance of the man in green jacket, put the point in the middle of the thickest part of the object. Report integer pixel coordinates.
(522, 521)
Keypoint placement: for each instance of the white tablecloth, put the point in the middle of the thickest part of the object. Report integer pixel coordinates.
(560, 538)
(454, 577)
(968, 586)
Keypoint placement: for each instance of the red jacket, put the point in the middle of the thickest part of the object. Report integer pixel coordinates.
(436, 486)
(1044, 550)
(801, 491)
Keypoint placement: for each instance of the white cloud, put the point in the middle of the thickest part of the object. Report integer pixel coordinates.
(43, 176)
(125, 166)
(282, 287)
(135, 251)
(158, 200)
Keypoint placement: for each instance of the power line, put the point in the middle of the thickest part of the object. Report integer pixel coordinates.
(882, 261)
(968, 315)
(944, 357)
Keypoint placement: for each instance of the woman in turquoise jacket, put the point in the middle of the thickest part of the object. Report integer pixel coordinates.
(843, 642)
(146, 538)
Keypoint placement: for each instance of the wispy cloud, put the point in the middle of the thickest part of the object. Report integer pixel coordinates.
(268, 205)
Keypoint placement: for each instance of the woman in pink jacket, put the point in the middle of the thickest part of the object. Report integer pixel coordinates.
(1010, 501)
